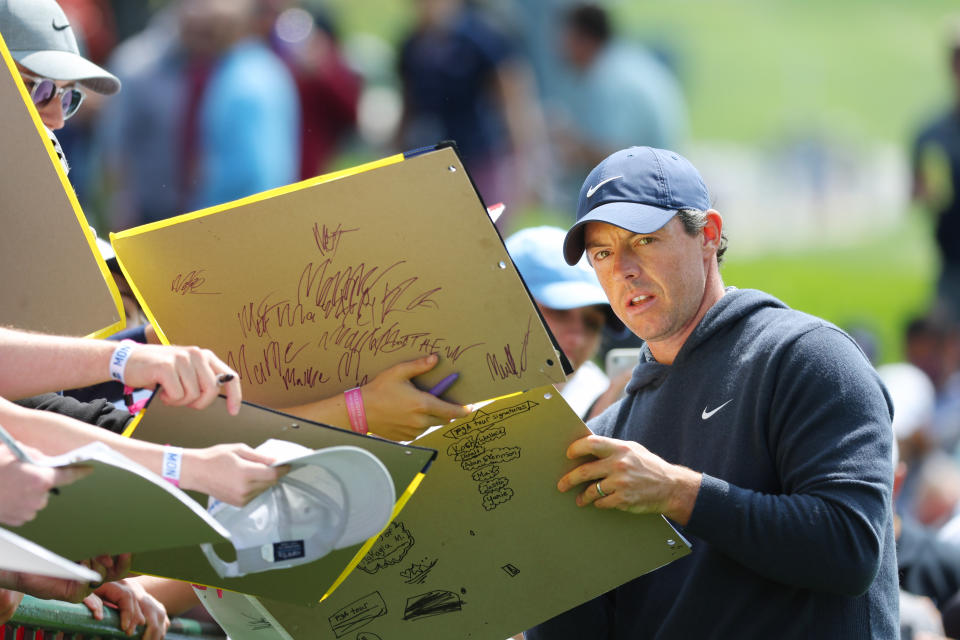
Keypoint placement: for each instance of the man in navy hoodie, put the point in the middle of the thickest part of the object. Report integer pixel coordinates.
(763, 433)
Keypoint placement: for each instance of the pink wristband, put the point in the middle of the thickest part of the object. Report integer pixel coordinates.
(358, 417)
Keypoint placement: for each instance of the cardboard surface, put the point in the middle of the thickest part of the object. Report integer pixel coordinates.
(120, 507)
(313, 289)
(253, 425)
(488, 547)
(54, 280)
(19, 554)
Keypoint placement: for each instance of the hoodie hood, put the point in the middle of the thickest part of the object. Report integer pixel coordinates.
(730, 309)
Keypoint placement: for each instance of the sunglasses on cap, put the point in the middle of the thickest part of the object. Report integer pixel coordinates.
(43, 90)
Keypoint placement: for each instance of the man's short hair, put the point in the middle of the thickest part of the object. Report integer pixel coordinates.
(589, 20)
(693, 221)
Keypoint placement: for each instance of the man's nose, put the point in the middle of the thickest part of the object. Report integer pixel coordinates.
(626, 265)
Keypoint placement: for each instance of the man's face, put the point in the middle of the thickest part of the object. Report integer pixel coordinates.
(656, 282)
(576, 330)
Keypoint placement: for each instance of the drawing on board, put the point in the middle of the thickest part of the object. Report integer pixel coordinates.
(357, 614)
(390, 548)
(432, 603)
(257, 623)
(417, 572)
(472, 453)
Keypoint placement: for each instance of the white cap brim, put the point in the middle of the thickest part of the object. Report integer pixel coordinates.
(369, 488)
(370, 491)
(64, 65)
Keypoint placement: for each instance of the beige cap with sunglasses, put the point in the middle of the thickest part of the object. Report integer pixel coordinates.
(39, 37)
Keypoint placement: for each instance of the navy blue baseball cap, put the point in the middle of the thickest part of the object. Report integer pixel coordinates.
(638, 189)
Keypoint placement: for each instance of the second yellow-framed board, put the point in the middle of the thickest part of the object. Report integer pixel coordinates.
(314, 288)
(487, 546)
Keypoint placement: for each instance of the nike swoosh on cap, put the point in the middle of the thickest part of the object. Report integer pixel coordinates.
(53, 23)
(592, 190)
(706, 415)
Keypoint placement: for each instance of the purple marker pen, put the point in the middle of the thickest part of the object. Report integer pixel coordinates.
(444, 384)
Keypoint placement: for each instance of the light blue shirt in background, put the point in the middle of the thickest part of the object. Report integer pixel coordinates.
(249, 126)
(627, 97)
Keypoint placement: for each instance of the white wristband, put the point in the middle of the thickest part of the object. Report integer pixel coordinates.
(118, 361)
(172, 461)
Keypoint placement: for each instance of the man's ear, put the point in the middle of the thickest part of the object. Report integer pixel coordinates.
(712, 230)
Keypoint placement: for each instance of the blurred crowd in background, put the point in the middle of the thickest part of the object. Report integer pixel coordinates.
(225, 98)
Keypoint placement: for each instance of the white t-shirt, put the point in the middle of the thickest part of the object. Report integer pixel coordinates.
(584, 387)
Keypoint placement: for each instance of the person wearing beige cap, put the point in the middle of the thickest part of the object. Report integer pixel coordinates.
(42, 43)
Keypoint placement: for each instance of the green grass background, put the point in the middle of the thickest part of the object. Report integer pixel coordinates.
(765, 72)
(877, 284)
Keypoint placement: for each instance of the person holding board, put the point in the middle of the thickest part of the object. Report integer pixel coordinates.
(763, 433)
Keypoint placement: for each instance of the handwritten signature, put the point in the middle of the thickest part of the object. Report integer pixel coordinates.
(346, 294)
(373, 341)
(276, 362)
(510, 366)
(190, 283)
(349, 292)
(329, 241)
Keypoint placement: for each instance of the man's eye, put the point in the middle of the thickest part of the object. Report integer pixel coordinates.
(644, 240)
(601, 254)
